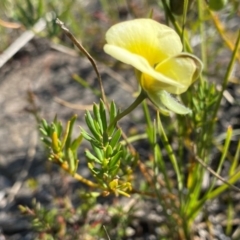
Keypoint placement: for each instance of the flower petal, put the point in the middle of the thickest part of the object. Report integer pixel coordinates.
(163, 98)
(147, 38)
(139, 63)
(199, 65)
(183, 68)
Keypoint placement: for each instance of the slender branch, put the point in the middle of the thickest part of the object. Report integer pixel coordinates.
(170, 154)
(184, 19)
(78, 177)
(137, 101)
(215, 174)
(85, 52)
(202, 30)
(227, 75)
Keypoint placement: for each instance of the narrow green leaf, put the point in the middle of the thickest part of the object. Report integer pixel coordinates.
(108, 152)
(69, 135)
(113, 111)
(40, 9)
(30, 9)
(96, 143)
(170, 152)
(195, 103)
(115, 138)
(46, 141)
(91, 157)
(114, 169)
(102, 112)
(43, 131)
(80, 80)
(117, 149)
(59, 128)
(99, 153)
(235, 160)
(24, 16)
(95, 171)
(76, 142)
(86, 135)
(98, 117)
(115, 159)
(105, 139)
(98, 127)
(71, 160)
(55, 120)
(90, 165)
(45, 125)
(224, 153)
(230, 216)
(52, 129)
(91, 126)
(65, 136)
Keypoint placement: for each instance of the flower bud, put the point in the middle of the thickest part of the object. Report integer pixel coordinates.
(217, 5)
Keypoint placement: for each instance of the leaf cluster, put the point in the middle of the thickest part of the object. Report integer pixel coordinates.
(108, 160)
(63, 149)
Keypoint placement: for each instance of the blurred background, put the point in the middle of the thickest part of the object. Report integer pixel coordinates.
(42, 74)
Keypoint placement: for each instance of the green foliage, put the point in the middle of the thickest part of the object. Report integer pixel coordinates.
(217, 5)
(181, 147)
(109, 161)
(30, 12)
(43, 220)
(83, 222)
(62, 149)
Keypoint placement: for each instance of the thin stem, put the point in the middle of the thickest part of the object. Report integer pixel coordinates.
(177, 171)
(213, 195)
(176, 25)
(202, 33)
(77, 176)
(171, 155)
(184, 19)
(227, 75)
(85, 52)
(216, 174)
(137, 101)
(147, 114)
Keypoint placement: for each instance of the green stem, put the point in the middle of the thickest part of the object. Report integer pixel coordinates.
(176, 25)
(227, 75)
(224, 86)
(171, 156)
(202, 34)
(212, 195)
(137, 101)
(185, 9)
(147, 114)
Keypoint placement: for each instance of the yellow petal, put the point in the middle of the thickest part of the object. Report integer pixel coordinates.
(183, 68)
(198, 63)
(141, 64)
(147, 38)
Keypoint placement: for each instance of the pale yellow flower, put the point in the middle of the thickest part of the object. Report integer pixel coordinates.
(155, 50)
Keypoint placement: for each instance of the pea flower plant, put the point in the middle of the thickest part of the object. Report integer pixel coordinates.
(154, 50)
(162, 71)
